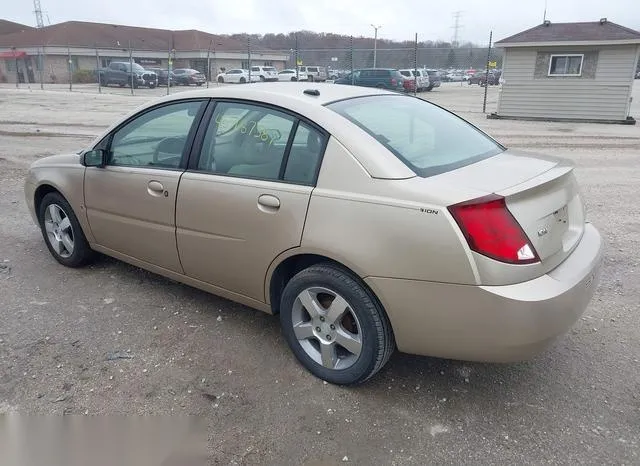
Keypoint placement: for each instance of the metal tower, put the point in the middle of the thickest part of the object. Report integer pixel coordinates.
(37, 9)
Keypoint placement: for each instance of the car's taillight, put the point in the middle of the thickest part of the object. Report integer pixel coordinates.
(492, 231)
(394, 82)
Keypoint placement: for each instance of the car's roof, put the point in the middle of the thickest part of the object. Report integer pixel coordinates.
(284, 91)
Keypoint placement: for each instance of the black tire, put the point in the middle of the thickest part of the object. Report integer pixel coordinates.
(82, 254)
(152, 86)
(377, 342)
(430, 88)
(262, 78)
(242, 80)
(220, 79)
(293, 78)
(199, 84)
(311, 79)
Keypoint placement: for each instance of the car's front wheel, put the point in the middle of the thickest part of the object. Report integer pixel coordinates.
(220, 79)
(334, 325)
(62, 231)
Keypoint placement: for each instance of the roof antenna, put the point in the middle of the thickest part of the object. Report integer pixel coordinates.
(544, 17)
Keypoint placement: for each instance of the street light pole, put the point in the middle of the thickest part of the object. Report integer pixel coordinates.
(375, 44)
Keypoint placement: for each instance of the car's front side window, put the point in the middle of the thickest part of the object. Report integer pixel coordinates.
(156, 138)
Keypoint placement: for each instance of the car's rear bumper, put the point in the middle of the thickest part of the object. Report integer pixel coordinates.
(492, 323)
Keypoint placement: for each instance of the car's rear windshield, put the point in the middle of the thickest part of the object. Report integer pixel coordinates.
(427, 138)
(269, 68)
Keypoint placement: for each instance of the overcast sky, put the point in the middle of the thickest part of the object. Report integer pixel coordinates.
(400, 19)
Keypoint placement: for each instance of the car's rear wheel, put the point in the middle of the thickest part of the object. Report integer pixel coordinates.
(220, 79)
(334, 325)
(62, 231)
(242, 80)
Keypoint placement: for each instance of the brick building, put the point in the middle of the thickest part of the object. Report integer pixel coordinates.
(55, 53)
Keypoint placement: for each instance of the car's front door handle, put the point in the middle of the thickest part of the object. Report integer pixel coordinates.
(269, 201)
(155, 188)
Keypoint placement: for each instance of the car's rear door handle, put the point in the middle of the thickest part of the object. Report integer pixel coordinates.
(269, 202)
(155, 188)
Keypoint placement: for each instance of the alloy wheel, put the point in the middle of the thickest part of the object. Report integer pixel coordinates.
(327, 328)
(59, 231)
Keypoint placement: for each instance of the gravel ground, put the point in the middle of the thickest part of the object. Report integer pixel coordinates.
(113, 339)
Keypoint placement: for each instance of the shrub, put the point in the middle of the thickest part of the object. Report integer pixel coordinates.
(84, 76)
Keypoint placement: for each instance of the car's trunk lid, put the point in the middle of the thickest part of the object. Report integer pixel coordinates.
(542, 195)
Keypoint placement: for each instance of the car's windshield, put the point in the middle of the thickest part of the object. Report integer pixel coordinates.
(137, 68)
(427, 138)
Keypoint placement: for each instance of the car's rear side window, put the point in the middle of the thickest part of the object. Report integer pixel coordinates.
(427, 138)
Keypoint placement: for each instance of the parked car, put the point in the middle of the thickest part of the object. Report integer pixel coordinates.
(455, 77)
(434, 79)
(187, 77)
(638, 75)
(420, 75)
(367, 220)
(481, 79)
(237, 76)
(163, 76)
(290, 75)
(384, 78)
(265, 73)
(124, 74)
(315, 73)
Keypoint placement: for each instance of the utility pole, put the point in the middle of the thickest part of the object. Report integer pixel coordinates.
(131, 66)
(249, 57)
(98, 70)
(456, 27)
(486, 83)
(209, 63)
(415, 66)
(70, 64)
(375, 44)
(297, 67)
(351, 59)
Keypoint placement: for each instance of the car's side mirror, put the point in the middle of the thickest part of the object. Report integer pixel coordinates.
(94, 158)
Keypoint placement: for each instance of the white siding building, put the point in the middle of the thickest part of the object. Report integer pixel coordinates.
(569, 71)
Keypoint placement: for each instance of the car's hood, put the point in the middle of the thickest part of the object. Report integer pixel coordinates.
(59, 160)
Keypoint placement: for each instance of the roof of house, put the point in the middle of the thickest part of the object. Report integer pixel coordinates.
(8, 27)
(85, 34)
(589, 32)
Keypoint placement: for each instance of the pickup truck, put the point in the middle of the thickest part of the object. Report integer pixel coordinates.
(120, 73)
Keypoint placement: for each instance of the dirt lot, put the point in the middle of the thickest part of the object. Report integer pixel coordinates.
(112, 339)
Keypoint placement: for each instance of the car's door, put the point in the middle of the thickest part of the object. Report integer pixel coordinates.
(244, 201)
(130, 202)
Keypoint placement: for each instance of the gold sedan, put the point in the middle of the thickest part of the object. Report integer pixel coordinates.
(368, 220)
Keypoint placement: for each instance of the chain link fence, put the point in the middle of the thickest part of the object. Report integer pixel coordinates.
(140, 66)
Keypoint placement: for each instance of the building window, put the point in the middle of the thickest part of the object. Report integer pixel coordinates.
(565, 65)
(268, 63)
(11, 65)
(245, 64)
